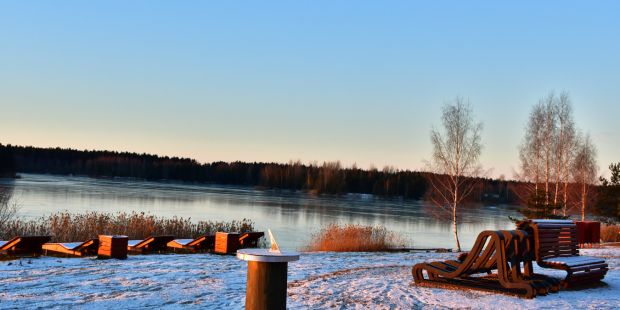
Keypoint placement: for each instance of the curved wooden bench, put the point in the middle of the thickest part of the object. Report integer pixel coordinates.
(556, 247)
(519, 251)
(503, 251)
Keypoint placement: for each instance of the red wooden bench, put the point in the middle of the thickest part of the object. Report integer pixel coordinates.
(556, 246)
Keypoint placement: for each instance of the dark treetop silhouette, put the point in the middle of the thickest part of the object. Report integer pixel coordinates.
(328, 178)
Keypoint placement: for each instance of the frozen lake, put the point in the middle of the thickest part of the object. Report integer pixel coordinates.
(292, 216)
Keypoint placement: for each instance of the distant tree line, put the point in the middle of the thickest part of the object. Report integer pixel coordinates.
(326, 178)
(329, 178)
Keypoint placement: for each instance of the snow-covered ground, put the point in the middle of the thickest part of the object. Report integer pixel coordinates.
(318, 280)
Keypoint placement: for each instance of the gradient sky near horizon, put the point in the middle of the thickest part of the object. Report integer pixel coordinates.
(356, 81)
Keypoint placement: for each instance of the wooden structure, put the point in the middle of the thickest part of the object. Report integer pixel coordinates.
(24, 245)
(502, 251)
(267, 278)
(588, 233)
(556, 246)
(73, 249)
(149, 245)
(226, 243)
(112, 246)
(250, 239)
(203, 243)
(519, 243)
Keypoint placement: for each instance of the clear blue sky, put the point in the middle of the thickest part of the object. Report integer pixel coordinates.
(354, 81)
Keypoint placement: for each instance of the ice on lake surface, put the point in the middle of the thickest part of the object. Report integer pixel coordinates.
(292, 216)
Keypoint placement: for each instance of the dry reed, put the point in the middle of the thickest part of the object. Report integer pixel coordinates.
(610, 233)
(354, 238)
(67, 227)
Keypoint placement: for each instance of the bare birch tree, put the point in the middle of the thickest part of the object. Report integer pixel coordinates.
(585, 170)
(548, 149)
(549, 116)
(531, 151)
(455, 160)
(565, 145)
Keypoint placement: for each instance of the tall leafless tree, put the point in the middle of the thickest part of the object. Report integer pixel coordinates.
(548, 149)
(455, 160)
(549, 128)
(565, 145)
(531, 151)
(585, 170)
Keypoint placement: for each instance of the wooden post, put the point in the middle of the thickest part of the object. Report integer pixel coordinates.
(266, 286)
(266, 281)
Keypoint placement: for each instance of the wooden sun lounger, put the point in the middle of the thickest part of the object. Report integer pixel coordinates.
(250, 239)
(24, 245)
(518, 242)
(556, 246)
(494, 250)
(73, 249)
(149, 245)
(201, 244)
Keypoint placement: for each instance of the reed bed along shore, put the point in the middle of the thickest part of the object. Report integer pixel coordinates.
(68, 227)
(355, 238)
(610, 233)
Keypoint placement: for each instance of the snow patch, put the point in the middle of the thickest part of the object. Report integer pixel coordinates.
(317, 281)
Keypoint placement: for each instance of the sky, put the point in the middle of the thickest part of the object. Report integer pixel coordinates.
(357, 81)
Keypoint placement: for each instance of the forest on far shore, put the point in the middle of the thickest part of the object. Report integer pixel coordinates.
(326, 178)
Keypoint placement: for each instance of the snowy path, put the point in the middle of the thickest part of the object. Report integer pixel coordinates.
(318, 280)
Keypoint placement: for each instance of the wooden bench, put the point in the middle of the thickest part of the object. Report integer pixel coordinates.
(149, 245)
(556, 246)
(250, 239)
(203, 243)
(24, 245)
(502, 251)
(72, 249)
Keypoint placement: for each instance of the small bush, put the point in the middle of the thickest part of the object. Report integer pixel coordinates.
(354, 238)
(610, 233)
(67, 227)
